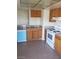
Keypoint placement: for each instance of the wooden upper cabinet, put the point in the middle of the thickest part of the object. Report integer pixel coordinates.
(35, 13)
(51, 11)
(55, 12)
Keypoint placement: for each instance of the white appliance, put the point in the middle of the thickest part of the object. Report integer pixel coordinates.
(50, 36)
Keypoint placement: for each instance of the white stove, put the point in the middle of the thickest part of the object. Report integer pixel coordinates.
(50, 37)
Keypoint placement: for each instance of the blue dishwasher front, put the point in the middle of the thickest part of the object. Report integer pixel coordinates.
(21, 36)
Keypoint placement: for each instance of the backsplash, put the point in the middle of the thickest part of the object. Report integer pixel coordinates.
(58, 25)
(35, 21)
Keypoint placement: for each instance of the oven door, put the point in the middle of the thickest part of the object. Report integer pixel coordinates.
(50, 40)
(50, 36)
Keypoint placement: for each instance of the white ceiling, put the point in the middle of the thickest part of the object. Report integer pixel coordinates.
(35, 3)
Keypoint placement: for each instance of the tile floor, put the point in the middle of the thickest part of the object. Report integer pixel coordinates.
(35, 50)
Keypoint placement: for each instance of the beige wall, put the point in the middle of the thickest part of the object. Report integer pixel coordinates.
(22, 16)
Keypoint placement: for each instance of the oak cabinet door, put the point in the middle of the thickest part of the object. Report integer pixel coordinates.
(40, 33)
(35, 35)
(35, 13)
(56, 12)
(58, 46)
(29, 34)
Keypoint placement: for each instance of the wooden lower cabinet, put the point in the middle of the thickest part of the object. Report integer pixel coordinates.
(34, 34)
(58, 45)
(40, 33)
(29, 34)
